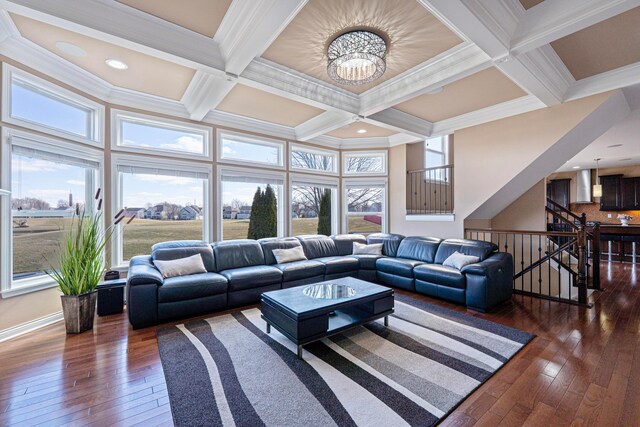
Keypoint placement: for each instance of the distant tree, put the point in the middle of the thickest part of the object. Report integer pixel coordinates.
(30, 203)
(237, 204)
(63, 204)
(324, 217)
(254, 221)
(270, 213)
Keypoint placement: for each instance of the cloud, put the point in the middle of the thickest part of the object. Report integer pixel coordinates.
(228, 150)
(75, 182)
(185, 143)
(25, 164)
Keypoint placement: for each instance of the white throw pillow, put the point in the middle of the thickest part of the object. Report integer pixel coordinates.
(284, 256)
(362, 249)
(458, 260)
(181, 267)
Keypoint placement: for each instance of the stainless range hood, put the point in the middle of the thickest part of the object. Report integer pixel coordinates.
(584, 186)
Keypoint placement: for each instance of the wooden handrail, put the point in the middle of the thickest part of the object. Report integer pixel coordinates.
(563, 209)
(532, 232)
(560, 217)
(430, 169)
(546, 258)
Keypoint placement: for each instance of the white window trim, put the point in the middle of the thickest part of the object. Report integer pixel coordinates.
(259, 140)
(313, 150)
(378, 153)
(282, 194)
(365, 182)
(304, 180)
(117, 195)
(118, 116)
(9, 287)
(97, 120)
(444, 153)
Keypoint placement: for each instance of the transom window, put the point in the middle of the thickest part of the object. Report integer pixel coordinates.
(136, 132)
(312, 159)
(240, 148)
(364, 163)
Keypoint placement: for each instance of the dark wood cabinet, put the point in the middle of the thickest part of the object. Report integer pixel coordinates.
(611, 199)
(630, 190)
(559, 190)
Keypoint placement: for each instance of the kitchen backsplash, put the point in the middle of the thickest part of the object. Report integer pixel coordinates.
(593, 212)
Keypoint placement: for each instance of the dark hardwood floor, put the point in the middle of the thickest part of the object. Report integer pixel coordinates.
(582, 368)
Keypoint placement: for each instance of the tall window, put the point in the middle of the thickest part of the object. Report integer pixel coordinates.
(240, 148)
(237, 192)
(136, 132)
(365, 207)
(314, 206)
(313, 159)
(38, 104)
(436, 151)
(165, 204)
(48, 184)
(364, 163)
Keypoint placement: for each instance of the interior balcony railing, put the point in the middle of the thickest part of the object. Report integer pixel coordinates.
(430, 191)
(547, 264)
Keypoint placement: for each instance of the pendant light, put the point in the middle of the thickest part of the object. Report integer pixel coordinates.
(597, 188)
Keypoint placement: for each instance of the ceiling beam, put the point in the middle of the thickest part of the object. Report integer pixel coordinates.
(615, 79)
(205, 92)
(401, 122)
(323, 123)
(551, 20)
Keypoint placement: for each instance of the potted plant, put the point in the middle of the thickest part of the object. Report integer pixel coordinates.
(624, 219)
(81, 266)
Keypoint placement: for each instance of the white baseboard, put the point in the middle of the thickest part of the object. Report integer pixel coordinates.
(16, 331)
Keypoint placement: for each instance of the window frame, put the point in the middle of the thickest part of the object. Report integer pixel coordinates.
(444, 153)
(251, 139)
(117, 159)
(303, 180)
(58, 93)
(368, 153)
(363, 183)
(9, 287)
(118, 117)
(314, 150)
(251, 173)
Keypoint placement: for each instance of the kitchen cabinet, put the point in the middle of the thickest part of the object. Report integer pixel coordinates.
(611, 199)
(558, 190)
(630, 190)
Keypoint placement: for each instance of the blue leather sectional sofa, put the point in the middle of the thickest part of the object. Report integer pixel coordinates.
(239, 271)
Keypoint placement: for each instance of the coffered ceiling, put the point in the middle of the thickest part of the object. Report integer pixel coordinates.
(260, 65)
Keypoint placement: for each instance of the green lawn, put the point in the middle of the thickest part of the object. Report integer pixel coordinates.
(36, 245)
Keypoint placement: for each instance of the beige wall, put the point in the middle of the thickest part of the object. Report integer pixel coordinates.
(487, 158)
(526, 213)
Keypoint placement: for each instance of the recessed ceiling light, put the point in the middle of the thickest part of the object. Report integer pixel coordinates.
(576, 167)
(614, 146)
(361, 131)
(71, 49)
(435, 90)
(117, 64)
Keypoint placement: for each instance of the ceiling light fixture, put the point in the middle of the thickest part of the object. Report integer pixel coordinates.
(356, 57)
(576, 167)
(597, 188)
(117, 64)
(71, 49)
(361, 131)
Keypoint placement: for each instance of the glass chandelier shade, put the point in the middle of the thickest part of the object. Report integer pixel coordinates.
(356, 58)
(597, 187)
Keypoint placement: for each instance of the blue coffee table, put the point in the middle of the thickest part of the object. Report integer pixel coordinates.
(305, 314)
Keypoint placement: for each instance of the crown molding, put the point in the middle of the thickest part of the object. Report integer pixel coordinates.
(500, 16)
(323, 123)
(279, 80)
(235, 121)
(401, 122)
(205, 92)
(615, 79)
(488, 114)
(454, 64)
(403, 138)
(552, 20)
(350, 143)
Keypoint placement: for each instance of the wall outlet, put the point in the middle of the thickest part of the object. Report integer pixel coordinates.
(608, 215)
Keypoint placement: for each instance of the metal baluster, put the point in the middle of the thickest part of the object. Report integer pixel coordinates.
(539, 268)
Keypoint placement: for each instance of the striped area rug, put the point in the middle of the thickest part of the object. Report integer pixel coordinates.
(227, 371)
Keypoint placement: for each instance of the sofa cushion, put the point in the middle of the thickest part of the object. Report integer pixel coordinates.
(372, 249)
(252, 277)
(367, 262)
(397, 266)
(440, 275)
(271, 243)
(298, 270)
(339, 264)
(284, 256)
(182, 249)
(233, 254)
(344, 242)
(459, 261)
(477, 248)
(390, 242)
(419, 248)
(182, 288)
(318, 246)
(181, 267)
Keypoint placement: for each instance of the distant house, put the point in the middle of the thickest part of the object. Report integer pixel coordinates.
(135, 212)
(244, 212)
(189, 213)
(229, 213)
(156, 212)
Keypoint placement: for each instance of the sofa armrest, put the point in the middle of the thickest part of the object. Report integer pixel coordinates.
(489, 282)
(143, 272)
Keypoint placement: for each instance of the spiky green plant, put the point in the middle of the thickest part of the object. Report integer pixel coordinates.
(81, 258)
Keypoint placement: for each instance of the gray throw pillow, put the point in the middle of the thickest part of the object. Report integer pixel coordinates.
(362, 249)
(181, 267)
(284, 256)
(458, 260)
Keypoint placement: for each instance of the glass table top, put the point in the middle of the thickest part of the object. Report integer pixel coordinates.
(329, 291)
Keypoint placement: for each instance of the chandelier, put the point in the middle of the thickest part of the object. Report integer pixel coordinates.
(356, 57)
